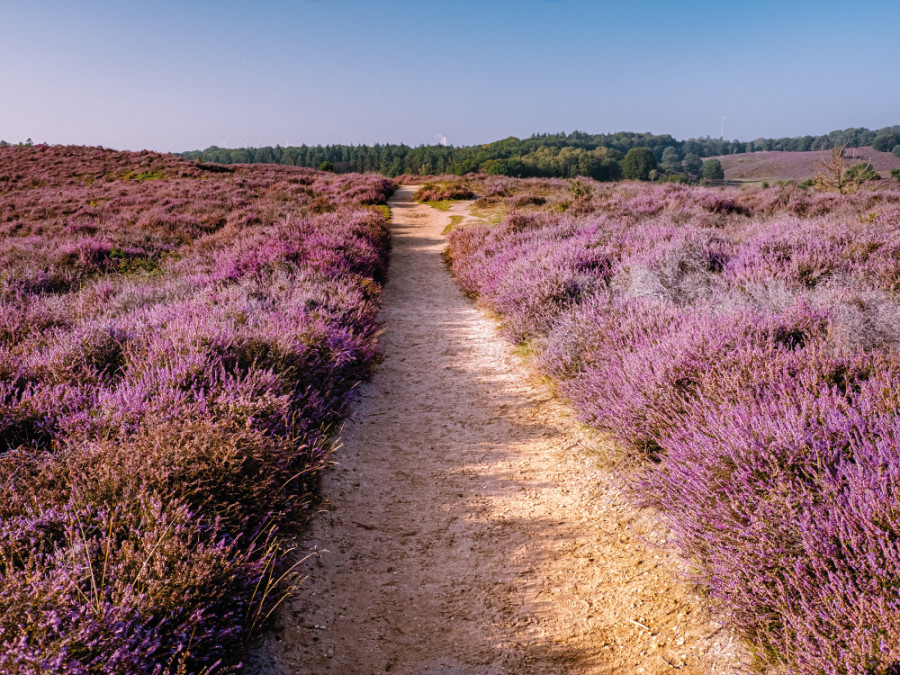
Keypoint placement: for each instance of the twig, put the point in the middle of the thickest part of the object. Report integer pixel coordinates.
(639, 624)
(628, 581)
(706, 637)
(147, 559)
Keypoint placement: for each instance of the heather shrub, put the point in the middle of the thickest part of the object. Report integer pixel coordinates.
(176, 345)
(521, 201)
(136, 587)
(784, 500)
(717, 204)
(496, 188)
(742, 347)
(436, 192)
(629, 333)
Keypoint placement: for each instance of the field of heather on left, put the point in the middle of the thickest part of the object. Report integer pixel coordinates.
(176, 343)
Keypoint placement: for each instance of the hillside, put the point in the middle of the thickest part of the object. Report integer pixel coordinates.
(778, 165)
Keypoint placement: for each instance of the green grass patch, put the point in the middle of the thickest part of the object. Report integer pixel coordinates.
(146, 175)
(525, 350)
(442, 205)
(384, 209)
(138, 266)
(452, 225)
(492, 215)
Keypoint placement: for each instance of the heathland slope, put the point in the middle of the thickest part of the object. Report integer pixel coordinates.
(776, 166)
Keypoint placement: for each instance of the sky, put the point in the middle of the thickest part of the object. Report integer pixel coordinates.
(175, 75)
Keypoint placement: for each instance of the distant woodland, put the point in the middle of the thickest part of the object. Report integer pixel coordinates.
(600, 156)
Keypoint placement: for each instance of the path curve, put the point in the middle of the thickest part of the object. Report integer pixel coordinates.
(467, 530)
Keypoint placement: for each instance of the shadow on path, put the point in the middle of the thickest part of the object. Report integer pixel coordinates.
(448, 507)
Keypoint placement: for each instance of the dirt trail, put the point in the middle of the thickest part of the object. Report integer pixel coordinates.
(469, 528)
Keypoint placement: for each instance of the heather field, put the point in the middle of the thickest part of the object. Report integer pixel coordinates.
(177, 340)
(741, 345)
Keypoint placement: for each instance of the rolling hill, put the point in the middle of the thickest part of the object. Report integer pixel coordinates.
(754, 167)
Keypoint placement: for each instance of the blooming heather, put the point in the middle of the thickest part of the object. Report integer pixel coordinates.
(176, 342)
(744, 344)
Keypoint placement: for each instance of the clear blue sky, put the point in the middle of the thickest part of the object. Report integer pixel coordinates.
(179, 75)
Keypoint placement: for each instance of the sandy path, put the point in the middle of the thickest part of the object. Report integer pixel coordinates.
(469, 530)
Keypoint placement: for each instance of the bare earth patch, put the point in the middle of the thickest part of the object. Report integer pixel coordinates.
(470, 527)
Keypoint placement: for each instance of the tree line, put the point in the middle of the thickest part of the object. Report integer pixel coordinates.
(561, 155)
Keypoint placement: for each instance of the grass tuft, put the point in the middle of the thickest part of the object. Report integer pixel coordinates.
(452, 225)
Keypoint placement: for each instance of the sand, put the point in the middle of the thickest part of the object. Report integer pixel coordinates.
(471, 525)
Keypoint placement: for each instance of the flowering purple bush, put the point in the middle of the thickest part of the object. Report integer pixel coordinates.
(435, 192)
(743, 347)
(175, 345)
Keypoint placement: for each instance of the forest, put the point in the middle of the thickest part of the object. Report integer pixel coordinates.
(560, 155)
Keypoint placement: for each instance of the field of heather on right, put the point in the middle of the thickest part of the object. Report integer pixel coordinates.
(742, 347)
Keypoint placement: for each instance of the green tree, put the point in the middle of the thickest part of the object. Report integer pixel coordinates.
(691, 147)
(671, 160)
(326, 166)
(712, 170)
(638, 163)
(863, 171)
(693, 165)
(884, 141)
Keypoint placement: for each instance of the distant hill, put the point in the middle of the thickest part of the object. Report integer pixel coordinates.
(755, 167)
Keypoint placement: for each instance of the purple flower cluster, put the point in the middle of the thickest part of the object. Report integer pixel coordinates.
(744, 346)
(176, 342)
